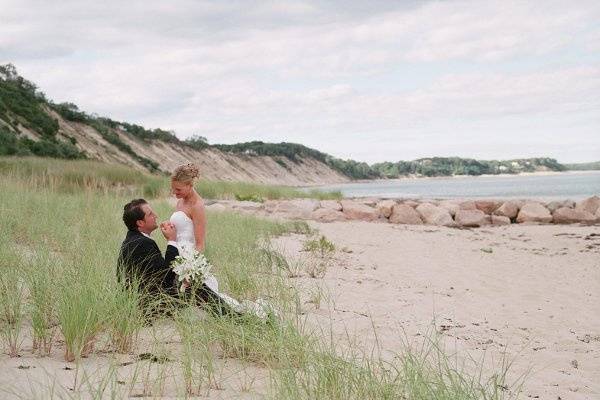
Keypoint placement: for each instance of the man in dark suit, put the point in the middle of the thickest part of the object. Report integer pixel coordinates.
(140, 258)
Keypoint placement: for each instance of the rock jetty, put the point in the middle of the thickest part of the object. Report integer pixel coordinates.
(449, 213)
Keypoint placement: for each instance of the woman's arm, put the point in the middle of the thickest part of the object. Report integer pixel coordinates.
(199, 219)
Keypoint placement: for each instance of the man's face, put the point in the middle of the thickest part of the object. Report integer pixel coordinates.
(148, 224)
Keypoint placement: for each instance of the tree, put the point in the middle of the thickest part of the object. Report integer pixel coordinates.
(196, 142)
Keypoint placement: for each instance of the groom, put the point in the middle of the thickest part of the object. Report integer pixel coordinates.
(140, 258)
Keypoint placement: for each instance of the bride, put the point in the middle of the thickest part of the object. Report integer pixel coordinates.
(190, 223)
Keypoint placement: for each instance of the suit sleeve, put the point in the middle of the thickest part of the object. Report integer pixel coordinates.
(170, 277)
(154, 266)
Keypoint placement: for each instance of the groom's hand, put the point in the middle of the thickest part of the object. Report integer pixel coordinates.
(168, 230)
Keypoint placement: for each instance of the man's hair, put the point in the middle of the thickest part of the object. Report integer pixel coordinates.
(132, 213)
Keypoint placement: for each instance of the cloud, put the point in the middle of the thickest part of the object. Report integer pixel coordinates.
(408, 78)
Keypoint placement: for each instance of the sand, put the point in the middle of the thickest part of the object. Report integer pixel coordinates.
(529, 292)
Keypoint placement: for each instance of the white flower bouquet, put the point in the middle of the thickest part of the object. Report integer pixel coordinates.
(192, 266)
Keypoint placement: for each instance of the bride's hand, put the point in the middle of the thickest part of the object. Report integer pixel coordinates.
(168, 230)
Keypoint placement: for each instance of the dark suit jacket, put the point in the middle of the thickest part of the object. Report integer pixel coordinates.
(140, 259)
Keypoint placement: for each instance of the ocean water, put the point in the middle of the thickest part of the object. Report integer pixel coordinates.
(567, 185)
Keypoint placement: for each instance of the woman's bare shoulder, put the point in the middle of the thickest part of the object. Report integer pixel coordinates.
(197, 208)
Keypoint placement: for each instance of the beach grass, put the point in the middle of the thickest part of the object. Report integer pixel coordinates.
(12, 308)
(41, 276)
(74, 176)
(58, 253)
(258, 192)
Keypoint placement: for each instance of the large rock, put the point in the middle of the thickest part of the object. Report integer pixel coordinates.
(359, 211)
(368, 201)
(328, 215)
(450, 205)
(500, 220)
(555, 205)
(216, 207)
(405, 214)
(534, 212)
(411, 203)
(520, 202)
(331, 204)
(508, 209)
(385, 207)
(295, 209)
(590, 205)
(487, 206)
(467, 205)
(246, 205)
(566, 215)
(471, 218)
(433, 215)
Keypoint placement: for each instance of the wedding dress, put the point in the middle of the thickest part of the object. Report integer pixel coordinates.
(186, 244)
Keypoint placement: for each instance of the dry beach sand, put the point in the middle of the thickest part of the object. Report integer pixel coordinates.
(531, 292)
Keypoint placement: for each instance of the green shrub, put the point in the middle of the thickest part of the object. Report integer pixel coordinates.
(322, 246)
(249, 197)
(11, 144)
(21, 98)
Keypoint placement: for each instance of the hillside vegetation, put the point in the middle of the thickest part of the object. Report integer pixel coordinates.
(30, 124)
(447, 166)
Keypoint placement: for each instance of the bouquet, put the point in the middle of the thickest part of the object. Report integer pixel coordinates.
(191, 267)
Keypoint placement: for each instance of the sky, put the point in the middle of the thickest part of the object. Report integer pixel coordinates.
(366, 80)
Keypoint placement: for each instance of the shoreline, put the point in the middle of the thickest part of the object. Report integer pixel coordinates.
(427, 178)
(542, 185)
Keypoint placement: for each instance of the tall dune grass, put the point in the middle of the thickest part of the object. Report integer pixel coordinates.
(41, 277)
(12, 308)
(73, 176)
(257, 192)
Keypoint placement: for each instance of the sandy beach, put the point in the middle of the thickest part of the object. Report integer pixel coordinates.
(529, 292)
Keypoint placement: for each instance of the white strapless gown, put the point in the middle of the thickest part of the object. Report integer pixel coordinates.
(186, 243)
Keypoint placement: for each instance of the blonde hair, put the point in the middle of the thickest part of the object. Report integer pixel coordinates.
(187, 173)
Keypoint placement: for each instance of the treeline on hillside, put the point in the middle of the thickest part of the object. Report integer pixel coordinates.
(448, 166)
(294, 152)
(436, 166)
